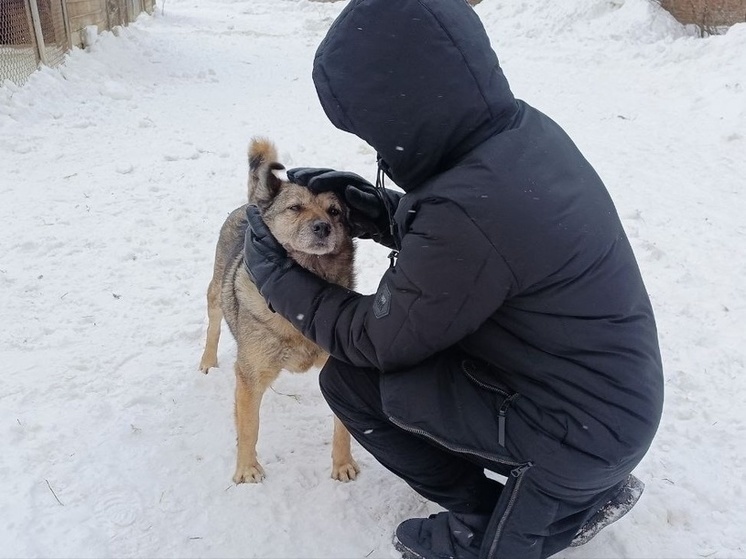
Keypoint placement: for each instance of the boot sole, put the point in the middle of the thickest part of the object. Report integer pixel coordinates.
(619, 505)
(406, 553)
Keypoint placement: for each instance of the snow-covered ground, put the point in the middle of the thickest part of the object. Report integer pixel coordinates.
(116, 171)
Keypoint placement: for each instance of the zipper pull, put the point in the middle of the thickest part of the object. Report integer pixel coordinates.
(392, 258)
(520, 470)
(501, 412)
(380, 190)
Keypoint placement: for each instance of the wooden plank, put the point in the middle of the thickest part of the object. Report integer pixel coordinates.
(86, 9)
(82, 13)
(79, 22)
(66, 20)
(77, 8)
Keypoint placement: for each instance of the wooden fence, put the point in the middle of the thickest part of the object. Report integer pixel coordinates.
(34, 32)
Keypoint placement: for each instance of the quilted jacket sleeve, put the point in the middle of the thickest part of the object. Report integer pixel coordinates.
(448, 280)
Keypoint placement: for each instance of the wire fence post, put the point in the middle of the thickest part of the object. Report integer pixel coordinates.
(41, 48)
(66, 23)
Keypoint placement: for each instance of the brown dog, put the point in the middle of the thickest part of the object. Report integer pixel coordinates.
(313, 229)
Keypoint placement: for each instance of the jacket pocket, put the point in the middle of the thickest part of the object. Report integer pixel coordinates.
(483, 375)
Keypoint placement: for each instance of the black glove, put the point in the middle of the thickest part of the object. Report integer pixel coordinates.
(371, 209)
(264, 257)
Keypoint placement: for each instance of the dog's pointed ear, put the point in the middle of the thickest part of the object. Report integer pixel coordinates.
(265, 183)
(265, 173)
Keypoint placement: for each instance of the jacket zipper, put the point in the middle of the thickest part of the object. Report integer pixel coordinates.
(484, 385)
(502, 410)
(453, 448)
(516, 473)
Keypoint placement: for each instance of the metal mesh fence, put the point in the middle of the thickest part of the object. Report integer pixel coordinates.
(18, 51)
(38, 31)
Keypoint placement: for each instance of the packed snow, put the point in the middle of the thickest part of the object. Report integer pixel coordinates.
(116, 172)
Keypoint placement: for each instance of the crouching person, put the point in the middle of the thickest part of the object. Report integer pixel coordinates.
(512, 332)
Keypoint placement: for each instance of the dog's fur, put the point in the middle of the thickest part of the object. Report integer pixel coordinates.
(313, 229)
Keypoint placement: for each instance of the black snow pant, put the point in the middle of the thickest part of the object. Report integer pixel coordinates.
(438, 430)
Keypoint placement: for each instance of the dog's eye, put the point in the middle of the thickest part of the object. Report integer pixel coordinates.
(295, 208)
(334, 212)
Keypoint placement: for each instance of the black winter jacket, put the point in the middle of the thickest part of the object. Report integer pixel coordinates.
(511, 248)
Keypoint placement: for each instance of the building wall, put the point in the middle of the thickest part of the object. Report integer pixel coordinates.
(707, 14)
(81, 13)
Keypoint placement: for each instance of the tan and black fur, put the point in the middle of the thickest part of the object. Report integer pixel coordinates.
(313, 229)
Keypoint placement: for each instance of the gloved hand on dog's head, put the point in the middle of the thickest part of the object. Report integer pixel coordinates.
(371, 208)
(263, 256)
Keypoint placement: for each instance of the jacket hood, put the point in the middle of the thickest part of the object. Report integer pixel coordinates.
(416, 79)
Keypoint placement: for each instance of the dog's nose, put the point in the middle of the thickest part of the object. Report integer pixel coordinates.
(321, 229)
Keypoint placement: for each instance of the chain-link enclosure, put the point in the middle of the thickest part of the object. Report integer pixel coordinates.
(31, 31)
(42, 31)
(18, 52)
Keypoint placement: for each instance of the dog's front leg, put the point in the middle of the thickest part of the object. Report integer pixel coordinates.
(248, 399)
(214, 317)
(344, 467)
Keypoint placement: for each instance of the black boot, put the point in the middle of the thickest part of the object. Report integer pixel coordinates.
(446, 535)
(619, 505)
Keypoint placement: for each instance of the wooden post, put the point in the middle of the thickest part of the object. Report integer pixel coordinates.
(36, 20)
(66, 21)
(128, 9)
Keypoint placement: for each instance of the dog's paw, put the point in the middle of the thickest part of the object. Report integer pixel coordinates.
(346, 470)
(249, 474)
(207, 363)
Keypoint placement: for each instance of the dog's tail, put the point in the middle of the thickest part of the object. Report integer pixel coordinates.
(265, 176)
